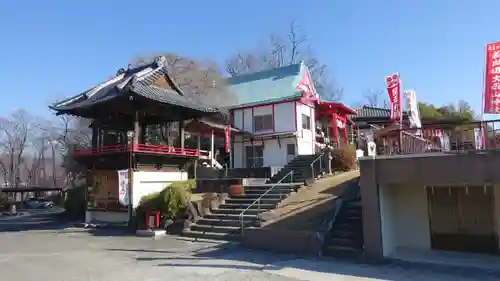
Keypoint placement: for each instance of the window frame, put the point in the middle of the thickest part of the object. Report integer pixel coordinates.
(265, 121)
(306, 121)
(255, 160)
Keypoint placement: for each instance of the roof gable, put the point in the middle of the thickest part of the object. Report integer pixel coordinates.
(268, 85)
(151, 81)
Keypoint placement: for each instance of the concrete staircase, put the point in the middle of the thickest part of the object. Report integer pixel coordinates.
(345, 239)
(301, 167)
(224, 223)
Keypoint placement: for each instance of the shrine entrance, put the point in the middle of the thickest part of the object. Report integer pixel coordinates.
(462, 219)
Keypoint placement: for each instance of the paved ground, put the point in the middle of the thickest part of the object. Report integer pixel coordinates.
(51, 253)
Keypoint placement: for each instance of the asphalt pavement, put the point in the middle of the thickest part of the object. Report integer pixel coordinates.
(42, 247)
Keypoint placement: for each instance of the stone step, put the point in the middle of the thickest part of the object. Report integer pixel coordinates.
(345, 233)
(281, 185)
(236, 217)
(254, 196)
(343, 252)
(345, 241)
(349, 220)
(212, 235)
(263, 200)
(271, 192)
(237, 211)
(228, 222)
(262, 206)
(216, 229)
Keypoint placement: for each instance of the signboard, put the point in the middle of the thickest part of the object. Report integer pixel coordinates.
(227, 138)
(478, 138)
(394, 91)
(123, 182)
(492, 79)
(413, 111)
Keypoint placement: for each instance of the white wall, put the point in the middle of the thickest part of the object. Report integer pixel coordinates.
(145, 183)
(306, 138)
(275, 154)
(404, 217)
(283, 117)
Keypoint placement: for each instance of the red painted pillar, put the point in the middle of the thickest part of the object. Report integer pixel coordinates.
(335, 129)
(344, 132)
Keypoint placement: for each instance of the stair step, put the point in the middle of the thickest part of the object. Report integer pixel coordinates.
(272, 192)
(244, 206)
(216, 228)
(343, 233)
(343, 252)
(235, 217)
(345, 241)
(254, 196)
(212, 235)
(238, 211)
(228, 222)
(263, 200)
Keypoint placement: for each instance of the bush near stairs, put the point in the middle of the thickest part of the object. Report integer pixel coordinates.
(344, 158)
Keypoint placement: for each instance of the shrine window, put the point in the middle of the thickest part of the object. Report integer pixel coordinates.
(263, 123)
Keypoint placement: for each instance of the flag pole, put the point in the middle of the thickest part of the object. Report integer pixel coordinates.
(483, 105)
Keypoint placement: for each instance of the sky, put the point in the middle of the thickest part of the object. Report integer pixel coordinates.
(57, 48)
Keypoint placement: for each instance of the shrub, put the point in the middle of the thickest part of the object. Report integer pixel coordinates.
(344, 158)
(75, 202)
(171, 202)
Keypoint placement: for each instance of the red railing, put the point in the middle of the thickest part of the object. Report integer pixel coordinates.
(139, 148)
(161, 149)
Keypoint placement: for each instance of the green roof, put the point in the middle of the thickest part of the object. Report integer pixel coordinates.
(374, 112)
(268, 85)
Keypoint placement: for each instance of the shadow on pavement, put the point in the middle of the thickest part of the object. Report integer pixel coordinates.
(232, 256)
(35, 220)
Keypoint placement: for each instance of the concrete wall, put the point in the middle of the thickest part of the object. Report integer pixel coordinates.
(404, 217)
(407, 172)
(145, 183)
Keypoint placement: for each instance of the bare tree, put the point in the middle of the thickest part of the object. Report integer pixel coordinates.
(200, 80)
(283, 50)
(375, 98)
(14, 137)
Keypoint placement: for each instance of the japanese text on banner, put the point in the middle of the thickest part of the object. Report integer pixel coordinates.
(492, 79)
(394, 91)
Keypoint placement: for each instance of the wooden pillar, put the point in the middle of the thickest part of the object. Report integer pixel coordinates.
(212, 148)
(181, 133)
(95, 134)
(132, 165)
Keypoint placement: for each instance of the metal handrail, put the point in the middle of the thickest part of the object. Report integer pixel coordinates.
(257, 201)
(312, 163)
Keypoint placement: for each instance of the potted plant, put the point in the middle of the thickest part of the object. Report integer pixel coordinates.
(236, 190)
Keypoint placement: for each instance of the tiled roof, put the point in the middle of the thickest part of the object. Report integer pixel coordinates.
(374, 112)
(268, 85)
(139, 80)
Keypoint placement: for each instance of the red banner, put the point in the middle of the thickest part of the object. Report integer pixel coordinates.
(492, 79)
(227, 139)
(394, 91)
